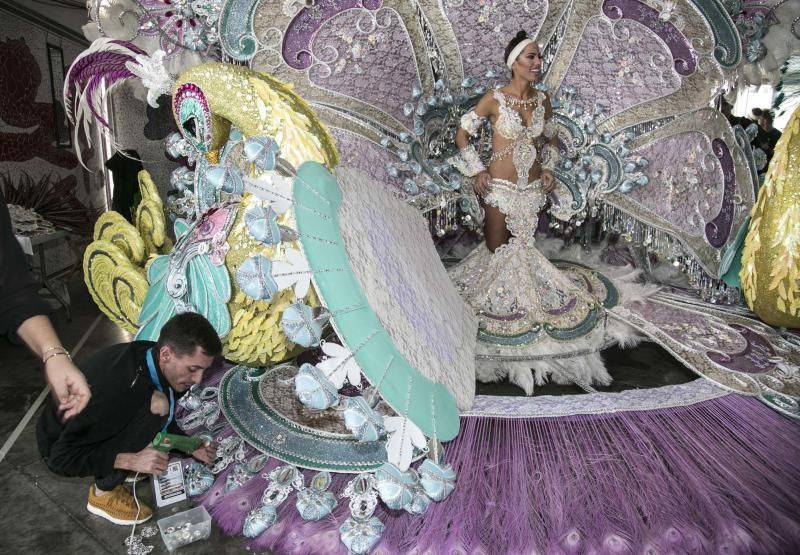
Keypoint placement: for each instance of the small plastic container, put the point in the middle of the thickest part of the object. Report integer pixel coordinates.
(185, 527)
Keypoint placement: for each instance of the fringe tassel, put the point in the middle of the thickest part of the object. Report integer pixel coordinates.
(718, 476)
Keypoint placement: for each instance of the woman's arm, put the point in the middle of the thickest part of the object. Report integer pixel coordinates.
(467, 160)
(472, 121)
(550, 153)
(462, 138)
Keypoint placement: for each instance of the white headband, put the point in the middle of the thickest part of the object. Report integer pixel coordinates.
(517, 51)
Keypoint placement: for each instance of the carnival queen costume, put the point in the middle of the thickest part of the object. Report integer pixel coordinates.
(532, 314)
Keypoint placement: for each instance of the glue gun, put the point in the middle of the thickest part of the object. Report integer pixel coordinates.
(168, 442)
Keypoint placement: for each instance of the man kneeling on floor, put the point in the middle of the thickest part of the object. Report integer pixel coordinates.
(133, 398)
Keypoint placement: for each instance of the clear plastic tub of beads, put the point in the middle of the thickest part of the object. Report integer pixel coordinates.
(185, 527)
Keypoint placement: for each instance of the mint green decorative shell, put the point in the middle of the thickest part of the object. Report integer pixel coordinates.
(428, 404)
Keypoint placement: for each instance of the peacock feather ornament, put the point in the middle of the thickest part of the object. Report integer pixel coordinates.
(133, 272)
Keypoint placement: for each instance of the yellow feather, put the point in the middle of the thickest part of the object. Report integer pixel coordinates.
(113, 227)
(117, 286)
(770, 266)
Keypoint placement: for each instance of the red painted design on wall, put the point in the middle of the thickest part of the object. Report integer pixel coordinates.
(20, 78)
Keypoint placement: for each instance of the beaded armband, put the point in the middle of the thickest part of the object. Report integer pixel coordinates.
(471, 122)
(550, 157)
(467, 161)
(550, 129)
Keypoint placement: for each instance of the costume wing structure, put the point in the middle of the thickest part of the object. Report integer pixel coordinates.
(770, 271)
(211, 298)
(404, 336)
(675, 172)
(265, 108)
(150, 219)
(209, 288)
(635, 134)
(113, 227)
(341, 68)
(114, 263)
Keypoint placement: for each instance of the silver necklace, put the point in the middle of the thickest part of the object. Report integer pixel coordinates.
(520, 103)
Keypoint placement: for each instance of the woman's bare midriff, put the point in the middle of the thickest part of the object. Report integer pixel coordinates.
(504, 169)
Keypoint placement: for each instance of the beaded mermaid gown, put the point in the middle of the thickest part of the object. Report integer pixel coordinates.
(533, 314)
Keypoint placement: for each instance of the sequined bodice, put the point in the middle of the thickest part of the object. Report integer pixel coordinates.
(509, 123)
(521, 146)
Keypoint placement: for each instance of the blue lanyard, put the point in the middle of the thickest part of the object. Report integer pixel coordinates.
(156, 382)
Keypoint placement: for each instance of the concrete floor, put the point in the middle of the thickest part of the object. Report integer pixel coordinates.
(39, 511)
(44, 513)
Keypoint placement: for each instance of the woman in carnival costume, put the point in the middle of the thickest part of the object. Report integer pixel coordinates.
(513, 288)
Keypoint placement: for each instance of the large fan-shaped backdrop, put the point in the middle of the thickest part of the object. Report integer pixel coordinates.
(376, 70)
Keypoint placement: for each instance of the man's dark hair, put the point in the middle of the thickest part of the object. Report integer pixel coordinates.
(768, 115)
(521, 36)
(185, 332)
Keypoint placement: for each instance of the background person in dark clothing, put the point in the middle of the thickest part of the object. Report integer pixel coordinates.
(23, 313)
(727, 110)
(767, 136)
(134, 386)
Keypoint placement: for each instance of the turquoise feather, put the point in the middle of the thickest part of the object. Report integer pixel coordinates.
(209, 289)
(158, 306)
(181, 226)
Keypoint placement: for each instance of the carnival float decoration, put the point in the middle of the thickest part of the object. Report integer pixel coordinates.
(302, 230)
(770, 35)
(771, 259)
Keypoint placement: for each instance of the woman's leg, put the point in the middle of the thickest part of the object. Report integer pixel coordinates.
(494, 227)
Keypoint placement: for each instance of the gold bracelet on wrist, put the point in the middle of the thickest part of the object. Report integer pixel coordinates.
(53, 348)
(56, 352)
